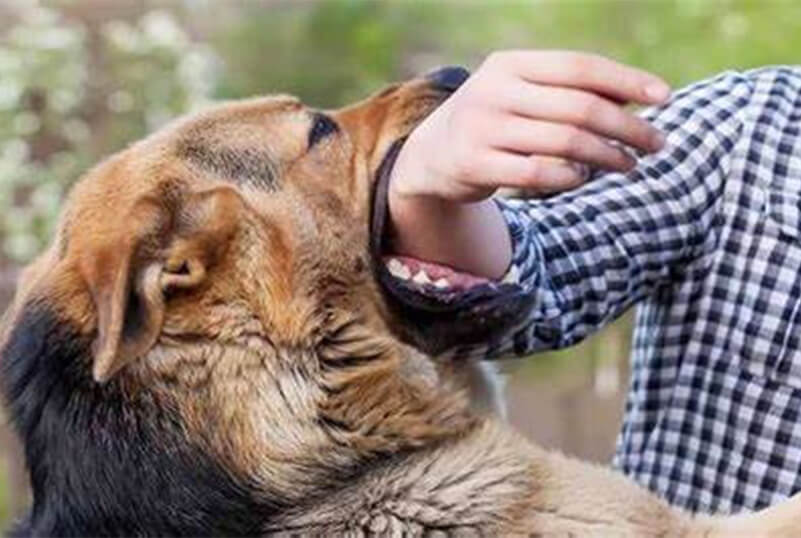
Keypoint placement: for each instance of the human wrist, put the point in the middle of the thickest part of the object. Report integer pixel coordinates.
(470, 237)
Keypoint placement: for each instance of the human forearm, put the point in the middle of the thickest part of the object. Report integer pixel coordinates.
(473, 237)
(525, 119)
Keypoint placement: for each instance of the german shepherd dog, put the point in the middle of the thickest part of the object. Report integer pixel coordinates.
(213, 345)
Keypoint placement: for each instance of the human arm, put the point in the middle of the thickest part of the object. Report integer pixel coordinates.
(586, 255)
(511, 124)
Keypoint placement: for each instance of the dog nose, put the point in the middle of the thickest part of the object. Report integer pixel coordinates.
(448, 78)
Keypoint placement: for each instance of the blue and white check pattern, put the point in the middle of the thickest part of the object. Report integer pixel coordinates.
(706, 238)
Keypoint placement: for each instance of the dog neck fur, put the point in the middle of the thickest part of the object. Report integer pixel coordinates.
(300, 420)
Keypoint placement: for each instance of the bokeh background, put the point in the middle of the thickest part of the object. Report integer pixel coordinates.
(80, 79)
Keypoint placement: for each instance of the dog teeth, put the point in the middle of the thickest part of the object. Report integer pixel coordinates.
(442, 284)
(398, 270)
(421, 278)
(401, 271)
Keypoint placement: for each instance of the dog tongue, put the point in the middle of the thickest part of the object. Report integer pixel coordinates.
(428, 273)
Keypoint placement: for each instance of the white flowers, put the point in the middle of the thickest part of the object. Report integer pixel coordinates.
(51, 85)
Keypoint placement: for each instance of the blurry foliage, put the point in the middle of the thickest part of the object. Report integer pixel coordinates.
(41, 80)
(4, 500)
(70, 94)
(327, 54)
(73, 90)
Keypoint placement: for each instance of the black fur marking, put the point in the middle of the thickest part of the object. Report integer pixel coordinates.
(244, 166)
(103, 462)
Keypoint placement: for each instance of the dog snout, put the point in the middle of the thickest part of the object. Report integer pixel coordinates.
(448, 78)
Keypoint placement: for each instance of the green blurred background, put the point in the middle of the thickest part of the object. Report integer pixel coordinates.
(80, 79)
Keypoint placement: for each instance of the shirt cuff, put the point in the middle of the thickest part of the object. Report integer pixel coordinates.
(521, 266)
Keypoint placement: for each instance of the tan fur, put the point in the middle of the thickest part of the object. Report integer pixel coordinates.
(267, 333)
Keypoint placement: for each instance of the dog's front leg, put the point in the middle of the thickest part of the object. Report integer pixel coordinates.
(573, 498)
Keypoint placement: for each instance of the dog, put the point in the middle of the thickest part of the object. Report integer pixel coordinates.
(214, 345)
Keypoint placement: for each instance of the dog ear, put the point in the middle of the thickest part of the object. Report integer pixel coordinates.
(167, 246)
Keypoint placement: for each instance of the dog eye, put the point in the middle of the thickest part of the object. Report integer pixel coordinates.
(322, 127)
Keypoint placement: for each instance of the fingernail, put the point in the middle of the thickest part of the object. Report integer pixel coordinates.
(631, 162)
(577, 168)
(657, 141)
(657, 91)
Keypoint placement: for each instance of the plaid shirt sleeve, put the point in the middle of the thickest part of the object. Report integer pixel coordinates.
(706, 237)
(588, 254)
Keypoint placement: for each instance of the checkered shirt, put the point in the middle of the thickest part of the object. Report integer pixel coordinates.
(705, 237)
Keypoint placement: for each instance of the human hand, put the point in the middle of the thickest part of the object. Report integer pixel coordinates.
(519, 111)
(524, 119)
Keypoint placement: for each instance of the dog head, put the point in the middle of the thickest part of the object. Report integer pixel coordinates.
(214, 324)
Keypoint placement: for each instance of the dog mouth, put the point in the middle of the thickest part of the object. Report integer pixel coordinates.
(422, 275)
(438, 307)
